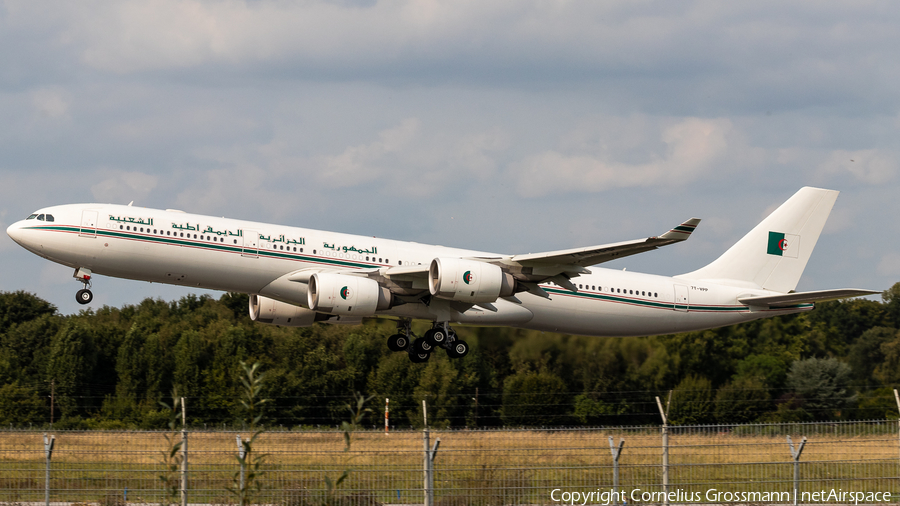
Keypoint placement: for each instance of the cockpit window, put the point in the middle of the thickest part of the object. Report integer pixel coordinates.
(49, 217)
(33, 216)
(41, 217)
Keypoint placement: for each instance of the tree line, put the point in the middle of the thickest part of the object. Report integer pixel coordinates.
(111, 367)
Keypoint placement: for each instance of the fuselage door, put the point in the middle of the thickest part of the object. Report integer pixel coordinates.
(251, 244)
(681, 298)
(88, 224)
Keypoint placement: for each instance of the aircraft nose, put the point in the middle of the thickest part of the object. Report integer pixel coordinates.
(19, 232)
(14, 232)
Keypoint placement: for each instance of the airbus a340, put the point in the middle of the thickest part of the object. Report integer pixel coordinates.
(298, 276)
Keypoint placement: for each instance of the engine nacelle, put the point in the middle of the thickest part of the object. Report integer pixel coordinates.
(340, 294)
(275, 312)
(468, 280)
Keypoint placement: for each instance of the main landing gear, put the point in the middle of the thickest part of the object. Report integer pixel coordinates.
(84, 296)
(420, 348)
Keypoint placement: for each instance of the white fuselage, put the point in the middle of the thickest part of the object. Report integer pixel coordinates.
(242, 256)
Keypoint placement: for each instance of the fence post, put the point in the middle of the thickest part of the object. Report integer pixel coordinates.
(241, 452)
(184, 455)
(897, 398)
(386, 411)
(429, 497)
(665, 446)
(616, 453)
(796, 455)
(48, 452)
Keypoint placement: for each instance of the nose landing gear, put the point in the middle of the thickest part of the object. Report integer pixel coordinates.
(420, 349)
(84, 296)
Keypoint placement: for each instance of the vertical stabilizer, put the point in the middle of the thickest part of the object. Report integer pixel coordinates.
(773, 255)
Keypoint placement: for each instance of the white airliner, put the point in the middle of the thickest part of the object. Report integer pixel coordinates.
(298, 276)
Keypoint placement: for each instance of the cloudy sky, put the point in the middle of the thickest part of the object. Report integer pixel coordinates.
(508, 126)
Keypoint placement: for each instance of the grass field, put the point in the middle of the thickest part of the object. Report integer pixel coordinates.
(488, 467)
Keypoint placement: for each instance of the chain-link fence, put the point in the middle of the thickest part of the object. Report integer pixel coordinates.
(528, 466)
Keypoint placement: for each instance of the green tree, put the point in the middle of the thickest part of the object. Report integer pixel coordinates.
(770, 371)
(534, 399)
(741, 401)
(188, 364)
(866, 353)
(71, 361)
(21, 405)
(691, 402)
(823, 384)
(19, 307)
(438, 386)
(888, 371)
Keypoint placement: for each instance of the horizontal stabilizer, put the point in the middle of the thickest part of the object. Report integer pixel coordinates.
(801, 297)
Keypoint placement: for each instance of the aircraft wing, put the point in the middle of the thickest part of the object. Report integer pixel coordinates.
(802, 297)
(594, 255)
(553, 266)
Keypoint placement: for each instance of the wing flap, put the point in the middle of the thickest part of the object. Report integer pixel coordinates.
(801, 297)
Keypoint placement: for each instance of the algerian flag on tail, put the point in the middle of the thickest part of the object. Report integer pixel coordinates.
(783, 245)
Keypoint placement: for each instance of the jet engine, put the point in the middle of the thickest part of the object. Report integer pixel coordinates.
(468, 280)
(340, 294)
(274, 312)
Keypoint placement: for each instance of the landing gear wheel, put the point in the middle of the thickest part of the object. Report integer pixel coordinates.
(421, 345)
(84, 296)
(429, 336)
(419, 358)
(398, 342)
(458, 349)
(438, 336)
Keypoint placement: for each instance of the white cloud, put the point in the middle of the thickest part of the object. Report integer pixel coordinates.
(364, 163)
(50, 103)
(122, 187)
(693, 148)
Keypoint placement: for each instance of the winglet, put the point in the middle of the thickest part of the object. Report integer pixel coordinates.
(683, 231)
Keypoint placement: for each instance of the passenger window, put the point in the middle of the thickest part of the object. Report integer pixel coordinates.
(128, 227)
(301, 250)
(50, 217)
(121, 227)
(195, 236)
(655, 295)
(142, 229)
(168, 232)
(235, 241)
